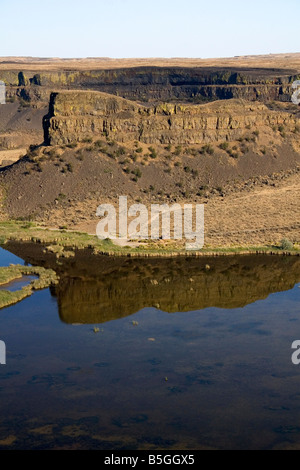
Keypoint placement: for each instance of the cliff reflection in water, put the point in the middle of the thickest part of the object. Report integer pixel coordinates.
(180, 285)
(96, 289)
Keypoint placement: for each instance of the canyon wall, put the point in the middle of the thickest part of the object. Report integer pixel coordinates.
(148, 84)
(75, 115)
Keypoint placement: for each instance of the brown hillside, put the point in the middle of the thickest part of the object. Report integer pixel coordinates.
(239, 155)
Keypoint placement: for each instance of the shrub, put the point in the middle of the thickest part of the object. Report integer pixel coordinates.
(98, 144)
(87, 140)
(234, 155)
(153, 153)
(178, 150)
(207, 149)
(244, 149)
(286, 244)
(224, 146)
(192, 151)
(38, 167)
(137, 172)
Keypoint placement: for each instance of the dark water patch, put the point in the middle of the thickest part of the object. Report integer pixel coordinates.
(158, 442)
(154, 361)
(175, 390)
(195, 379)
(50, 380)
(132, 421)
(8, 374)
(277, 408)
(290, 429)
(17, 356)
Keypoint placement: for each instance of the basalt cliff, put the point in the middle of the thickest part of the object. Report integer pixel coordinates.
(148, 84)
(74, 115)
(224, 134)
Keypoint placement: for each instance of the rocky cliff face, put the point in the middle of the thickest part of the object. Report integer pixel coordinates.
(150, 84)
(73, 116)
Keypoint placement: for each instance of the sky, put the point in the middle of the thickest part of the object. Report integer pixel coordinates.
(156, 28)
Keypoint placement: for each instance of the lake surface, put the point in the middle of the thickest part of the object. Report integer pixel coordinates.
(153, 354)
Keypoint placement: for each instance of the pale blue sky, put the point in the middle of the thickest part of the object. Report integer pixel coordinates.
(156, 28)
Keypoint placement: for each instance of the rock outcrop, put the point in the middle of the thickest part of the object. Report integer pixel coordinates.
(153, 84)
(75, 115)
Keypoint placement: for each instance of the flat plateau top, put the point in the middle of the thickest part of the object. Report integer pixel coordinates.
(270, 61)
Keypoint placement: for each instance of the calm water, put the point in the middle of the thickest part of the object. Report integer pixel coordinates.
(190, 354)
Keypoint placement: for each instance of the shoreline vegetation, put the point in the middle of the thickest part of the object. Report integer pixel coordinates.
(64, 242)
(13, 272)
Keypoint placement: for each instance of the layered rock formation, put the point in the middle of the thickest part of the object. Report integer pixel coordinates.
(75, 115)
(195, 84)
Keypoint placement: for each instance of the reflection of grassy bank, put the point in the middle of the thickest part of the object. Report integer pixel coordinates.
(62, 241)
(13, 272)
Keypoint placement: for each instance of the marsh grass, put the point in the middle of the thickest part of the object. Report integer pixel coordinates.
(62, 242)
(46, 277)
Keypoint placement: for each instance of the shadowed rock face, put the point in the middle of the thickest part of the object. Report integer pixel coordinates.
(74, 115)
(96, 289)
(160, 83)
